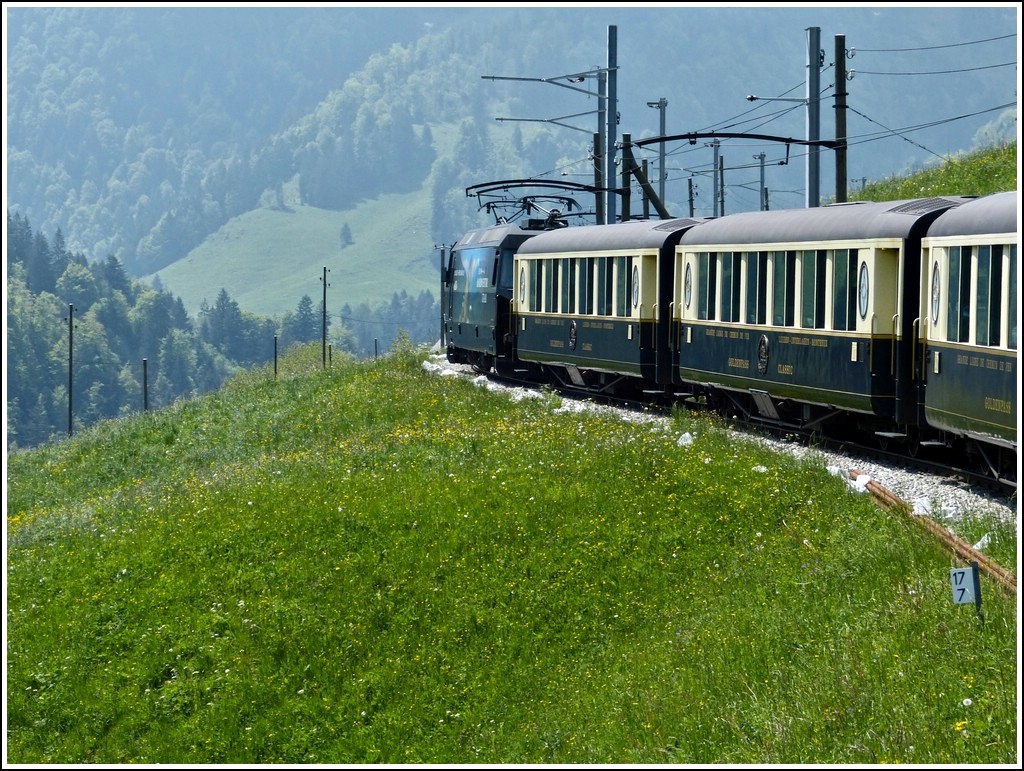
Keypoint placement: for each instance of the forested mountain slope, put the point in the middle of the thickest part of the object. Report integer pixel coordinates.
(139, 132)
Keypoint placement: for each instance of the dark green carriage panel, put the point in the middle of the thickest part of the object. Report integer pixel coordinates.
(622, 346)
(793, 364)
(973, 392)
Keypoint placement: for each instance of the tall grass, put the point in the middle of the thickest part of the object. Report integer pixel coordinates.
(373, 563)
(981, 172)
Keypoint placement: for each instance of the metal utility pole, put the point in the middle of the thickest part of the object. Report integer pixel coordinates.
(840, 56)
(603, 123)
(613, 113)
(763, 192)
(813, 114)
(714, 178)
(812, 101)
(661, 104)
(598, 180)
(71, 362)
(323, 344)
(720, 176)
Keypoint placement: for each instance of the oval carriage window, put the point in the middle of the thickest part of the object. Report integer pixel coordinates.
(687, 286)
(863, 290)
(636, 286)
(936, 290)
(522, 285)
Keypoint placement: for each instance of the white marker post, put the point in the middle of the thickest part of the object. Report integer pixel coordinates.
(966, 584)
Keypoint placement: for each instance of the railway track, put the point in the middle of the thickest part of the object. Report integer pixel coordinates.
(1005, 579)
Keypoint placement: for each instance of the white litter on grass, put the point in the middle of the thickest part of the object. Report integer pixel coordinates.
(685, 440)
(858, 483)
(429, 366)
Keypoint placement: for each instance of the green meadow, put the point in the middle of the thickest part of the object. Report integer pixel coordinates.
(374, 563)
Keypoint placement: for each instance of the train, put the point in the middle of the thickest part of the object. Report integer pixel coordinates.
(893, 322)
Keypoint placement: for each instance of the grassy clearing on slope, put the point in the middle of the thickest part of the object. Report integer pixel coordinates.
(268, 259)
(372, 563)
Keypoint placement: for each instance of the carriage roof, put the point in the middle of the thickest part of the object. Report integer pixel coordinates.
(635, 234)
(996, 213)
(838, 222)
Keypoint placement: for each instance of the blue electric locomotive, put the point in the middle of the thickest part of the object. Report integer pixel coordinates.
(477, 295)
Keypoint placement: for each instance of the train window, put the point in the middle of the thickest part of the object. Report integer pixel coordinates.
(844, 289)
(812, 296)
(784, 294)
(936, 292)
(707, 275)
(568, 286)
(1012, 311)
(990, 269)
(958, 319)
(587, 283)
(505, 270)
(757, 287)
(604, 287)
(731, 274)
(622, 274)
(534, 285)
(550, 286)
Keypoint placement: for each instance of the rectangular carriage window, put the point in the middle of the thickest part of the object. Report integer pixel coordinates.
(958, 319)
(812, 294)
(1012, 314)
(621, 278)
(604, 287)
(707, 275)
(568, 286)
(990, 299)
(784, 294)
(587, 285)
(551, 286)
(533, 266)
(504, 280)
(844, 289)
(757, 287)
(731, 273)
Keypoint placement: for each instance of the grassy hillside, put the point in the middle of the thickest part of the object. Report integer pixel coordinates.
(991, 170)
(268, 259)
(374, 563)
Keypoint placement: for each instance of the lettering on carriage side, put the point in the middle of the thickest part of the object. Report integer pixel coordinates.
(739, 363)
(556, 343)
(708, 332)
(482, 283)
(588, 346)
(784, 339)
(819, 343)
(738, 334)
(998, 405)
(785, 369)
(961, 359)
